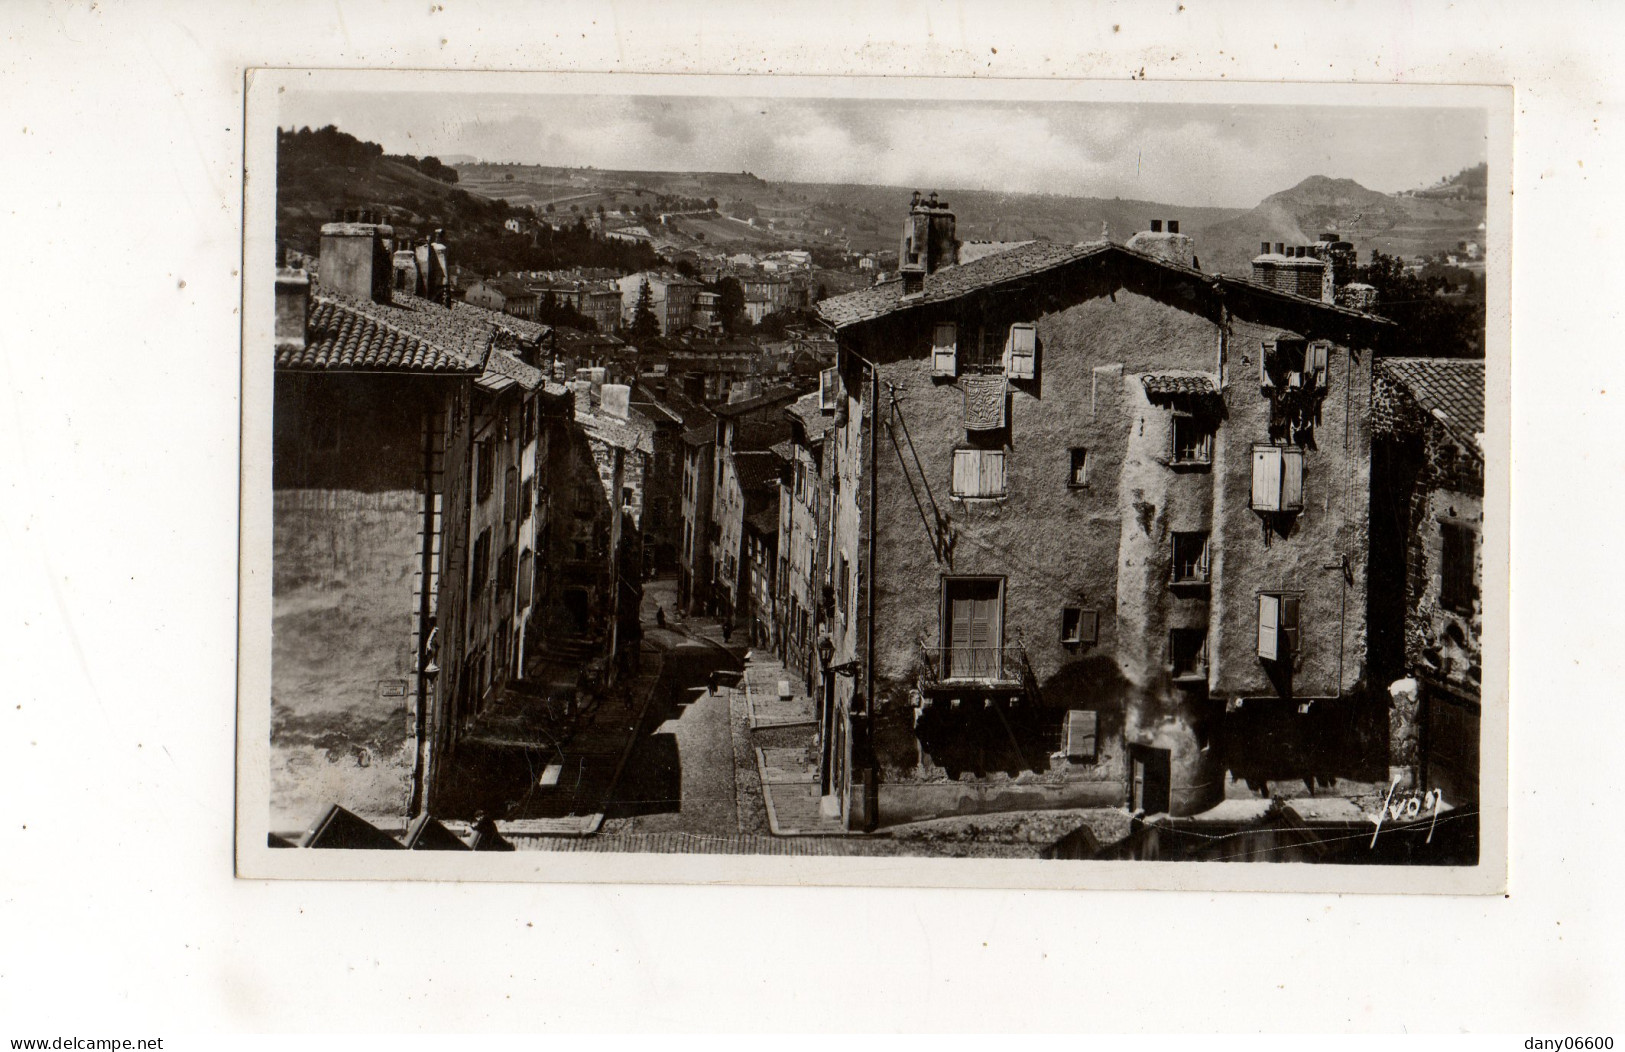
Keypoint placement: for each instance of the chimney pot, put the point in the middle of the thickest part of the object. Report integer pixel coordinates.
(1264, 248)
(1173, 226)
(1280, 248)
(1156, 226)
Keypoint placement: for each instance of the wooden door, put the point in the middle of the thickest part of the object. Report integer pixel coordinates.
(975, 629)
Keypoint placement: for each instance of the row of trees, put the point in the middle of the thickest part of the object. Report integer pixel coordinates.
(1432, 320)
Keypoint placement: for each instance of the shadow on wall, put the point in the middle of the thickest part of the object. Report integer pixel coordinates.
(976, 740)
(1270, 740)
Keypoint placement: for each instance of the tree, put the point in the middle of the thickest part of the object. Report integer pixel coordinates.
(644, 324)
(730, 303)
(550, 208)
(1430, 322)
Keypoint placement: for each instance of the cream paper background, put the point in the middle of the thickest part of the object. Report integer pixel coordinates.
(124, 201)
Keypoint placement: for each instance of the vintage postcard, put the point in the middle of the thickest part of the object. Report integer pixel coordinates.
(832, 480)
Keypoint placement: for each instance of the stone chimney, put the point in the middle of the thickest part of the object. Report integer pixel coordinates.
(292, 309)
(434, 277)
(928, 243)
(355, 261)
(617, 400)
(1167, 244)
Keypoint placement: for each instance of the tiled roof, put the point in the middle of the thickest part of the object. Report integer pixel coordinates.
(757, 469)
(953, 282)
(633, 433)
(1163, 384)
(814, 420)
(785, 451)
(503, 370)
(1451, 389)
(765, 518)
(1026, 261)
(342, 336)
(746, 405)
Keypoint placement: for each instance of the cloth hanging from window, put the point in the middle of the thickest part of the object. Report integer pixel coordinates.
(984, 402)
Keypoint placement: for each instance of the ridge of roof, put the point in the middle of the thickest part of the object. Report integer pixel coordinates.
(1026, 261)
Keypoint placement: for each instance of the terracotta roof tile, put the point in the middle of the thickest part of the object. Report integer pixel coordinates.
(1451, 389)
(1165, 384)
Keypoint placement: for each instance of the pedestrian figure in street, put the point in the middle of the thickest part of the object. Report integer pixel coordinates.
(727, 629)
(714, 681)
(660, 616)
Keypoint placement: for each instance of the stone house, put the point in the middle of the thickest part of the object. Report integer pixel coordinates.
(380, 397)
(804, 535)
(1099, 533)
(1427, 508)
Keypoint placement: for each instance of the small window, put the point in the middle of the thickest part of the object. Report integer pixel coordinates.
(1277, 625)
(527, 498)
(1078, 475)
(626, 497)
(526, 573)
(978, 473)
(945, 349)
(1190, 558)
(1458, 581)
(506, 570)
(1193, 440)
(1187, 649)
(1277, 478)
(1079, 626)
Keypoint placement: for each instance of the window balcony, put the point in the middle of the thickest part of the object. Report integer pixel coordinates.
(1000, 667)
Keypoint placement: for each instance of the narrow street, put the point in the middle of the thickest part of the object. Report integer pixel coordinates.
(680, 775)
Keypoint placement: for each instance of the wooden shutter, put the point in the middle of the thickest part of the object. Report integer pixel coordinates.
(1021, 352)
(965, 472)
(1265, 351)
(829, 386)
(1315, 362)
(1269, 621)
(992, 473)
(1079, 736)
(1289, 626)
(1291, 479)
(945, 349)
(959, 635)
(1267, 478)
(1203, 564)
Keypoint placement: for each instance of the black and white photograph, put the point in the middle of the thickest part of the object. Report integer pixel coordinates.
(754, 473)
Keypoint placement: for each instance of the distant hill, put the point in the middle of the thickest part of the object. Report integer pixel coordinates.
(326, 170)
(1396, 224)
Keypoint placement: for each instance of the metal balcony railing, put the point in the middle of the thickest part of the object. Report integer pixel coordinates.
(987, 666)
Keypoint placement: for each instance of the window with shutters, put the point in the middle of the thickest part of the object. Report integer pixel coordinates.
(1278, 625)
(1078, 473)
(481, 570)
(1191, 558)
(978, 473)
(1021, 352)
(505, 571)
(945, 349)
(1193, 439)
(1079, 626)
(1458, 581)
(510, 495)
(527, 498)
(1187, 650)
(1277, 478)
(526, 573)
(485, 468)
(829, 388)
(972, 628)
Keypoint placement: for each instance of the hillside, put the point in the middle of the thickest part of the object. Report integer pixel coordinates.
(322, 172)
(1396, 224)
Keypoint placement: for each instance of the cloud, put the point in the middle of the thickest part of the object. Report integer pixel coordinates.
(1185, 154)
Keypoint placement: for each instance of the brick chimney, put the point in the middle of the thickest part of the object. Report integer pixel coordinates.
(1168, 244)
(355, 261)
(928, 243)
(292, 309)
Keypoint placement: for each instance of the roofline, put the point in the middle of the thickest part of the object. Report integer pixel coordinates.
(1091, 250)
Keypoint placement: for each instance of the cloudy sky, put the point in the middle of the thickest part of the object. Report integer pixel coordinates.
(1183, 154)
